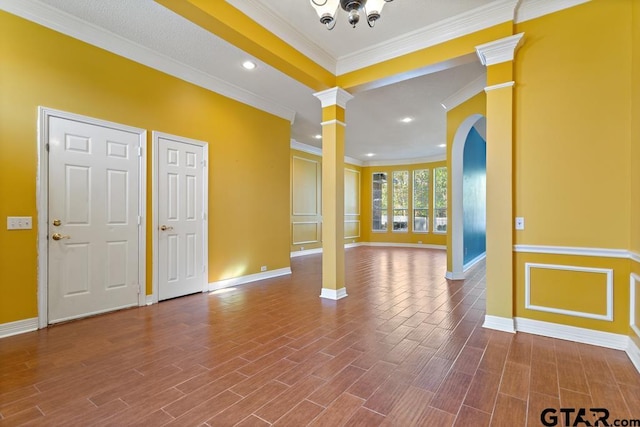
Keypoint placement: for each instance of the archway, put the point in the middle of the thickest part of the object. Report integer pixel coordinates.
(457, 192)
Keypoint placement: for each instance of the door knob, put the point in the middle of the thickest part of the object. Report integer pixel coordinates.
(166, 227)
(58, 236)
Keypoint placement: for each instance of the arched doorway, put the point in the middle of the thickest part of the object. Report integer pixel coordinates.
(473, 123)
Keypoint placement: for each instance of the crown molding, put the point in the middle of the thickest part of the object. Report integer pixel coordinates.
(531, 9)
(467, 92)
(465, 23)
(71, 26)
(334, 96)
(310, 149)
(499, 51)
(401, 162)
(281, 28)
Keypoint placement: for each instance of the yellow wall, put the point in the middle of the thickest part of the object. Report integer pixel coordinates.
(248, 149)
(390, 236)
(306, 209)
(635, 132)
(571, 154)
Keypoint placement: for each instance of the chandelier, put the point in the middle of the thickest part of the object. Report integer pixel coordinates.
(326, 10)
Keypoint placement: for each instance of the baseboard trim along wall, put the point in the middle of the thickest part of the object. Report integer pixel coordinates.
(333, 294)
(241, 280)
(572, 333)
(503, 324)
(18, 327)
(634, 353)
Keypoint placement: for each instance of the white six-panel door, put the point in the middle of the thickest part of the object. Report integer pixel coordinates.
(93, 219)
(181, 216)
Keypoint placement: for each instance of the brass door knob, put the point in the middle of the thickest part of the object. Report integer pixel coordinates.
(58, 236)
(166, 227)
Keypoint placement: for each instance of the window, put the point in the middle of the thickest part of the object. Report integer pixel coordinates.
(379, 195)
(421, 201)
(440, 200)
(400, 201)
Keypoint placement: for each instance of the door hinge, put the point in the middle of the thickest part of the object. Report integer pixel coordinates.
(139, 151)
(46, 146)
(139, 220)
(204, 163)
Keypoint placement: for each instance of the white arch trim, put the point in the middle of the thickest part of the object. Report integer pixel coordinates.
(456, 174)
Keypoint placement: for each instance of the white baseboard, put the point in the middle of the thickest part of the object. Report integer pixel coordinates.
(572, 333)
(241, 280)
(503, 324)
(474, 261)
(633, 352)
(306, 252)
(333, 294)
(149, 300)
(454, 276)
(18, 327)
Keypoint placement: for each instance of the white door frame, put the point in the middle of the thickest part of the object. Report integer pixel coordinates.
(42, 200)
(155, 137)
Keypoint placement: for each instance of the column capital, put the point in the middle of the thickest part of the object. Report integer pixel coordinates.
(499, 51)
(334, 96)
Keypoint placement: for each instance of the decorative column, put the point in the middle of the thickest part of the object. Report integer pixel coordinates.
(333, 134)
(498, 57)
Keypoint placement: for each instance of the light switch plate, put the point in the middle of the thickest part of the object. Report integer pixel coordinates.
(19, 223)
(519, 223)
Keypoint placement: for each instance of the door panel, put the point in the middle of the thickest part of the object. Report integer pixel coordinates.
(93, 192)
(181, 216)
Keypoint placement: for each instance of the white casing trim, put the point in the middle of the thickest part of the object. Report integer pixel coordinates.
(499, 86)
(310, 149)
(572, 333)
(503, 324)
(531, 9)
(334, 96)
(241, 280)
(477, 19)
(150, 300)
(571, 250)
(70, 25)
(454, 276)
(333, 294)
(633, 351)
(634, 283)
(467, 92)
(18, 327)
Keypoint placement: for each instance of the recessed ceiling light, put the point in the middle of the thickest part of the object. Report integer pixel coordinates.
(370, 154)
(442, 145)
(249, 65)
(407, 120)
(318, 136)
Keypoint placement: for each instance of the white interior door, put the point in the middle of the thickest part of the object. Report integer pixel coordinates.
(181, 207)
(93, 218)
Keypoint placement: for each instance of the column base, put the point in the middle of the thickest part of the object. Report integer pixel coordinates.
(503, 324)
(333, 294)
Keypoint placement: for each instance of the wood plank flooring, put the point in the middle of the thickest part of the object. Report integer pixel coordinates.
(405, 348)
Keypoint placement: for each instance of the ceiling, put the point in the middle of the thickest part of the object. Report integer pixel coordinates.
(145, 31)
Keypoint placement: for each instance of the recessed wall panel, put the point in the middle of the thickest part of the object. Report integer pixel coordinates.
(173, 255)
(117, 196)
(78, 194)
(305, 232)
(192, 198)
(191, 241)
(351, 229)
(305, 186)
(351, 192)
(173, 189)
(76, 270)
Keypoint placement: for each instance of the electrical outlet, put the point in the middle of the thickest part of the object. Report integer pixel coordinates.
(19, 223)
(263, 268)
(419, 242)
(302, 248)
(519, 223)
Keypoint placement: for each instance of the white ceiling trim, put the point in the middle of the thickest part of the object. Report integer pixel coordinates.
(69, 25)
(281, 28)
(460, 25)
(467, 92)
(310, 149)
(531, 9)
(415, 161)
(499, 51)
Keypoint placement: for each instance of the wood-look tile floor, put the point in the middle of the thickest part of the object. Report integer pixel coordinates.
(406, 348)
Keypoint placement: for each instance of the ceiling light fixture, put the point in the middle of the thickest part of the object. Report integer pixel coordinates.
(326, 10)
(407, 120)
(249, 65)
(318, 136)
